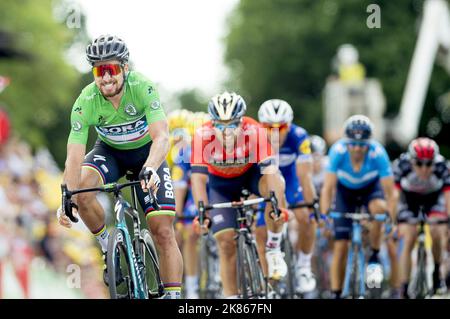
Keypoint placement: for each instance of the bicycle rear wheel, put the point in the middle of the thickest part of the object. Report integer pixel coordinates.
(150, 262)
(120, 282)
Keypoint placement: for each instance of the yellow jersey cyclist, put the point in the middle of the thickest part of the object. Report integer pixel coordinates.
(125, 109)
(358, 173)
(292, 144)
(229, 153)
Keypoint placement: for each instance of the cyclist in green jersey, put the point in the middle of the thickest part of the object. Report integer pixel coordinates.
(125, 109)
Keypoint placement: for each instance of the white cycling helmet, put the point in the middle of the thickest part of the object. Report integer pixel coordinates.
(275, 111)
(226, 106)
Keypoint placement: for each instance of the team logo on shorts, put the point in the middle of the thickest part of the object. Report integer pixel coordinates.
(76, 126)
(130, 110)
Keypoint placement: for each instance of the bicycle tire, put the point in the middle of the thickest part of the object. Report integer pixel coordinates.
(242, 265)
(118, 250)
(421, 284)
(260, 285)
(250, 278)
(152, 278)
(355, 276)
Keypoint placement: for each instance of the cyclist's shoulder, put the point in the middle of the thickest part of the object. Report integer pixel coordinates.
(89, 94)
(297, 132)
(441, 165)
(377, 150)
(402, 163)
(135, 78)
(339, 148)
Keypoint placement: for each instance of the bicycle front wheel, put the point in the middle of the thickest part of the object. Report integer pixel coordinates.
(421, 283)
(120, 282)
(150, 266)
(250, 279)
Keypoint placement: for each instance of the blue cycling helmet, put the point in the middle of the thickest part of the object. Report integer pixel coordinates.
(358, 127)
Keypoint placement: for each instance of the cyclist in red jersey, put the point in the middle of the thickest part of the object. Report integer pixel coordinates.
(229, 153)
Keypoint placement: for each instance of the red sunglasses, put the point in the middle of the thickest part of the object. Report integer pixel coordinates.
(112, 69)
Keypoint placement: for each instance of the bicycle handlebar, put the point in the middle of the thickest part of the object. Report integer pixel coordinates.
(202, 208)
(115, 188)
(358, 216)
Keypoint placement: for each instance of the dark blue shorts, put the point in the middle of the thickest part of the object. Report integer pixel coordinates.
(112, 164)
(347, 200)
(229, 189)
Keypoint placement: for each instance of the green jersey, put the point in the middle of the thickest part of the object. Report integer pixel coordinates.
(125, 128)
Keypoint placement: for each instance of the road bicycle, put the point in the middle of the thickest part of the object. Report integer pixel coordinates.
(250, 279)
(132, 263)
(355, 281)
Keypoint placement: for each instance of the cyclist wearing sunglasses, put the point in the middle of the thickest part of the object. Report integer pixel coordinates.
(292, 144)
(359, 167)
(422, 176)
(125, 109)
(229, 153)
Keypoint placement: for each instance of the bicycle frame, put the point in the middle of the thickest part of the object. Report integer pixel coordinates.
(244, 219)
(121, 208)
(356, 253)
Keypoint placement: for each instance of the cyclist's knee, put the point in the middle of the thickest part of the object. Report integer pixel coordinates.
(227, 244)
(85, 200)
(164, 235)
(302, 216)
(377, 206)
(277, 181)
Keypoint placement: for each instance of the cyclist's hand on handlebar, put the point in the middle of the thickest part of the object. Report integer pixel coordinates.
(149, 179)
(63, 220)
(201, 229)
(280, 220)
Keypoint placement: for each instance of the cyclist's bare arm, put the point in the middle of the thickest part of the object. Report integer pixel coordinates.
(304, 173)
(159, 132)
(72, 171)
(391, 194)
(328, 189)
(198, 184)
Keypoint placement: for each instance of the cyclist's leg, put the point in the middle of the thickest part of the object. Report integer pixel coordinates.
(439, 240)
(306, 231)
(99, 167)
(342, 229)
(161, 225)
(277, 267)
(259, 185)
(223, 228)
(394, 280)
(376, 205)
(408, 235)
(190, 252)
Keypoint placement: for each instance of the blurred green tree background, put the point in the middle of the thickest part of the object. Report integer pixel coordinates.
(274, 48)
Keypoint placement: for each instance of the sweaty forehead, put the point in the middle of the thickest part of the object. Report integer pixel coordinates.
(107, 62)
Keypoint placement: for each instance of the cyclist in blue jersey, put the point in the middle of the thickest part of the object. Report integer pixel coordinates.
(359, 170)
(295, 162)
